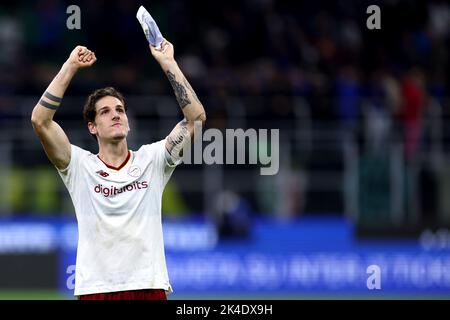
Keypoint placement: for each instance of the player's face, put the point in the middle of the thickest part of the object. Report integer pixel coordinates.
(111, 122)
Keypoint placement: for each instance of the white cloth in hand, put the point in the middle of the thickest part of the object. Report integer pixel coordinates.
(150, 28)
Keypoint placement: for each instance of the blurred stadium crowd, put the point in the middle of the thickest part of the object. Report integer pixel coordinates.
(310, 68)
(255, 47)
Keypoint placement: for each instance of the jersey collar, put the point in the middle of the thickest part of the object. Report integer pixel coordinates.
(119, 167)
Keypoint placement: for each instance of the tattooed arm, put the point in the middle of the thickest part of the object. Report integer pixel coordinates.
(189, 103)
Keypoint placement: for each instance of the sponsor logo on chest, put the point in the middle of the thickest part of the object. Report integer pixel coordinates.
(110, 191)
(107, 191)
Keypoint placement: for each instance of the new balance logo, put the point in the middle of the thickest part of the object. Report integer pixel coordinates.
(103, 173)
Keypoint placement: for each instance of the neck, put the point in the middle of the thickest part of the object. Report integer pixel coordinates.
(114, 154)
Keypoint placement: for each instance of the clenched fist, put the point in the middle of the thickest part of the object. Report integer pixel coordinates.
(165, 55)
(81, 57)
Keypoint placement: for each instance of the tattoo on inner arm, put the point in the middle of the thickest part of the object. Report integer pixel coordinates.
(176, 139)
(180, 90)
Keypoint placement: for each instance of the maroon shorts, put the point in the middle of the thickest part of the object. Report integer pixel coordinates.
(145, 294)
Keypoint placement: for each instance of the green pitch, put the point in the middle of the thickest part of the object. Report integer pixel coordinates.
(32, 295)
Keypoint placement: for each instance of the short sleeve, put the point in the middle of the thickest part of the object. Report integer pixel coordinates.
(157, 153)
(69, 174)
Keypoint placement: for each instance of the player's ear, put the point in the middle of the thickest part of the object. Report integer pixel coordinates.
(92, 128)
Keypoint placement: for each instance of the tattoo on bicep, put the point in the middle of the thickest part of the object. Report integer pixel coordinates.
(176, 139)
(188, 85)
(179, 89)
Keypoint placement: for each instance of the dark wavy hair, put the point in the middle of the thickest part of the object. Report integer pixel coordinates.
(89, 111)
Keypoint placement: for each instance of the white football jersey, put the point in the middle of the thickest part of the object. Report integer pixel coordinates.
(120, 239)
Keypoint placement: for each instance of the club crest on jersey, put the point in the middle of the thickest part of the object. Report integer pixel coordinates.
(134, 171)
(102, 173)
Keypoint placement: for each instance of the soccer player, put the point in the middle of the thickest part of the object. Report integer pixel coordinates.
(117, 193)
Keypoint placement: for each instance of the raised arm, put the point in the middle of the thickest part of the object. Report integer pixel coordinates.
(53, 139)
(189, 103)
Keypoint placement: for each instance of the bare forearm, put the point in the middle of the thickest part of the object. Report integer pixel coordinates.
(53, 138)
(189, 103)
(45, 109)
(62, 80)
